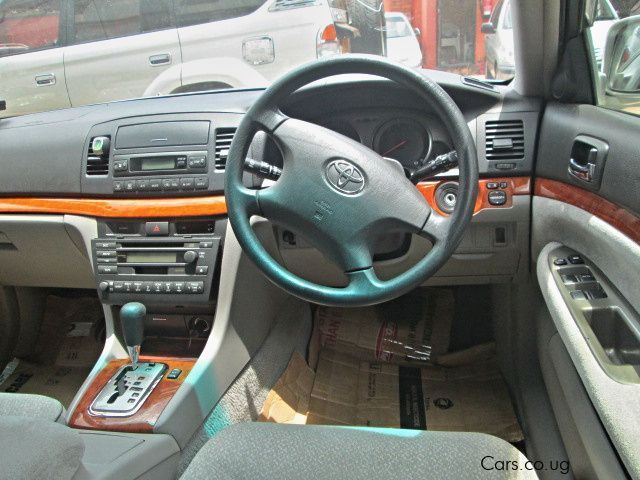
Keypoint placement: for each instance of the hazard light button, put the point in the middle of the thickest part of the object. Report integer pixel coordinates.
(157, 228)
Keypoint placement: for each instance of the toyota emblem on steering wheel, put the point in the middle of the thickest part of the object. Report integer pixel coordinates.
(345, 177)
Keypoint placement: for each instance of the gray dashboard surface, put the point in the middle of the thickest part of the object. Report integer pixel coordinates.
(42, 154)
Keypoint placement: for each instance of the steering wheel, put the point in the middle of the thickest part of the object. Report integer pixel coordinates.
(340, 195)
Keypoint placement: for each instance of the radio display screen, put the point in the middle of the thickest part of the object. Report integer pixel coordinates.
(157, 163)
(152, 257)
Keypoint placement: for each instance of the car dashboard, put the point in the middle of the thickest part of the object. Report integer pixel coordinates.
(131, 166)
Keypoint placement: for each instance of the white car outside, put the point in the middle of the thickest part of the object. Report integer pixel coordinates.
(402, 42)
(119, 49)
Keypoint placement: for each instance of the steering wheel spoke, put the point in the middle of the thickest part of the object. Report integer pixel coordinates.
(269, 119)
(365, 282)
(249, 201)
(436, 228)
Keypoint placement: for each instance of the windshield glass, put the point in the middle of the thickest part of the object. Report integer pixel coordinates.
(66, 53)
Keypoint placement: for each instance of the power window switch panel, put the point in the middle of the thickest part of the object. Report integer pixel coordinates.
(569, 279)
(575, 260)
(578, 295)
(173, 374)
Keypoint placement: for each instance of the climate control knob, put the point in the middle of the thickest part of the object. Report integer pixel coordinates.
(190, 256)
(103, 286)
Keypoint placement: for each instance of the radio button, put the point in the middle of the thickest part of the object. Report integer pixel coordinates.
(199, 161)
(118, 186)
(130, 186)
(138, 287)
(206, 244)
(157, 228)
(202, 270)
(147, 287)
(195, 287)
(202, 183)
(107, 269)
(106, 253)
(169, 184)
(155, 184)
(105, 244)
(143, 185)
(178, 287)
(157, 287)
(120, 165)
(186, 183)
(167, 287)
(118, 287)
(181, 161)
(128, 286)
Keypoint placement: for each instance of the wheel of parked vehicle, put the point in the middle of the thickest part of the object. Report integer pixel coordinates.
(340, 194)
(368, 17)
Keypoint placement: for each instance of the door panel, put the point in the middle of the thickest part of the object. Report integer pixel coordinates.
(599, 220)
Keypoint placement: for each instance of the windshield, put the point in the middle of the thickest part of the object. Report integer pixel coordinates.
(57, 54)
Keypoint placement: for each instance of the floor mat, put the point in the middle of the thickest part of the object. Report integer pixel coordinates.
(369, 370)
(68, 345)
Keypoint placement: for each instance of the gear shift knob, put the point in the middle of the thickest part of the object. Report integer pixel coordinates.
(132, 316)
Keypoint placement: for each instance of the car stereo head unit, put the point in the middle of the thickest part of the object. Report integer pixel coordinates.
(156, 261)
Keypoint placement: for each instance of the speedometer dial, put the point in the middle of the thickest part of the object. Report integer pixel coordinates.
(404, 140)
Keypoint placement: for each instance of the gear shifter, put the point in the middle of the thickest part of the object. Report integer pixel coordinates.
(130, 386)
(132, 316)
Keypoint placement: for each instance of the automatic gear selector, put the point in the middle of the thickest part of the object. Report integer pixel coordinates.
(127, 390)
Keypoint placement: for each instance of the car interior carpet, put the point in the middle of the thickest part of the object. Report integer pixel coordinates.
(388, 366)
(68, 345)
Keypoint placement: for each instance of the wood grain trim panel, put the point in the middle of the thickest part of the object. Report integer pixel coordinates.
(515, 186)
(144, 419)
(615, 215)
(204, 206)
(118, 208)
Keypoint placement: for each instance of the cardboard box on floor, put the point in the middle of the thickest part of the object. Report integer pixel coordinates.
(412, 329)
(347, 391)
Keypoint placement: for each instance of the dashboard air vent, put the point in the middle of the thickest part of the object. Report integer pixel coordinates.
(504, 140)
(224, 136)
(98, 156)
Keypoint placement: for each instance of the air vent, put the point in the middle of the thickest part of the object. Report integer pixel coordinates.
(224, 136)
(504, 140)
(98, 156)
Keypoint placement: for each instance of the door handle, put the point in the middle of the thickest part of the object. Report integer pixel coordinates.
(45, 80)
(583, 172)
(586, 163)
(160, 59)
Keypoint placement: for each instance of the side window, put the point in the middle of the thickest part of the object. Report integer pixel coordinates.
(193, 12)
(614, 41)
(28, 25)
(104, 19)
